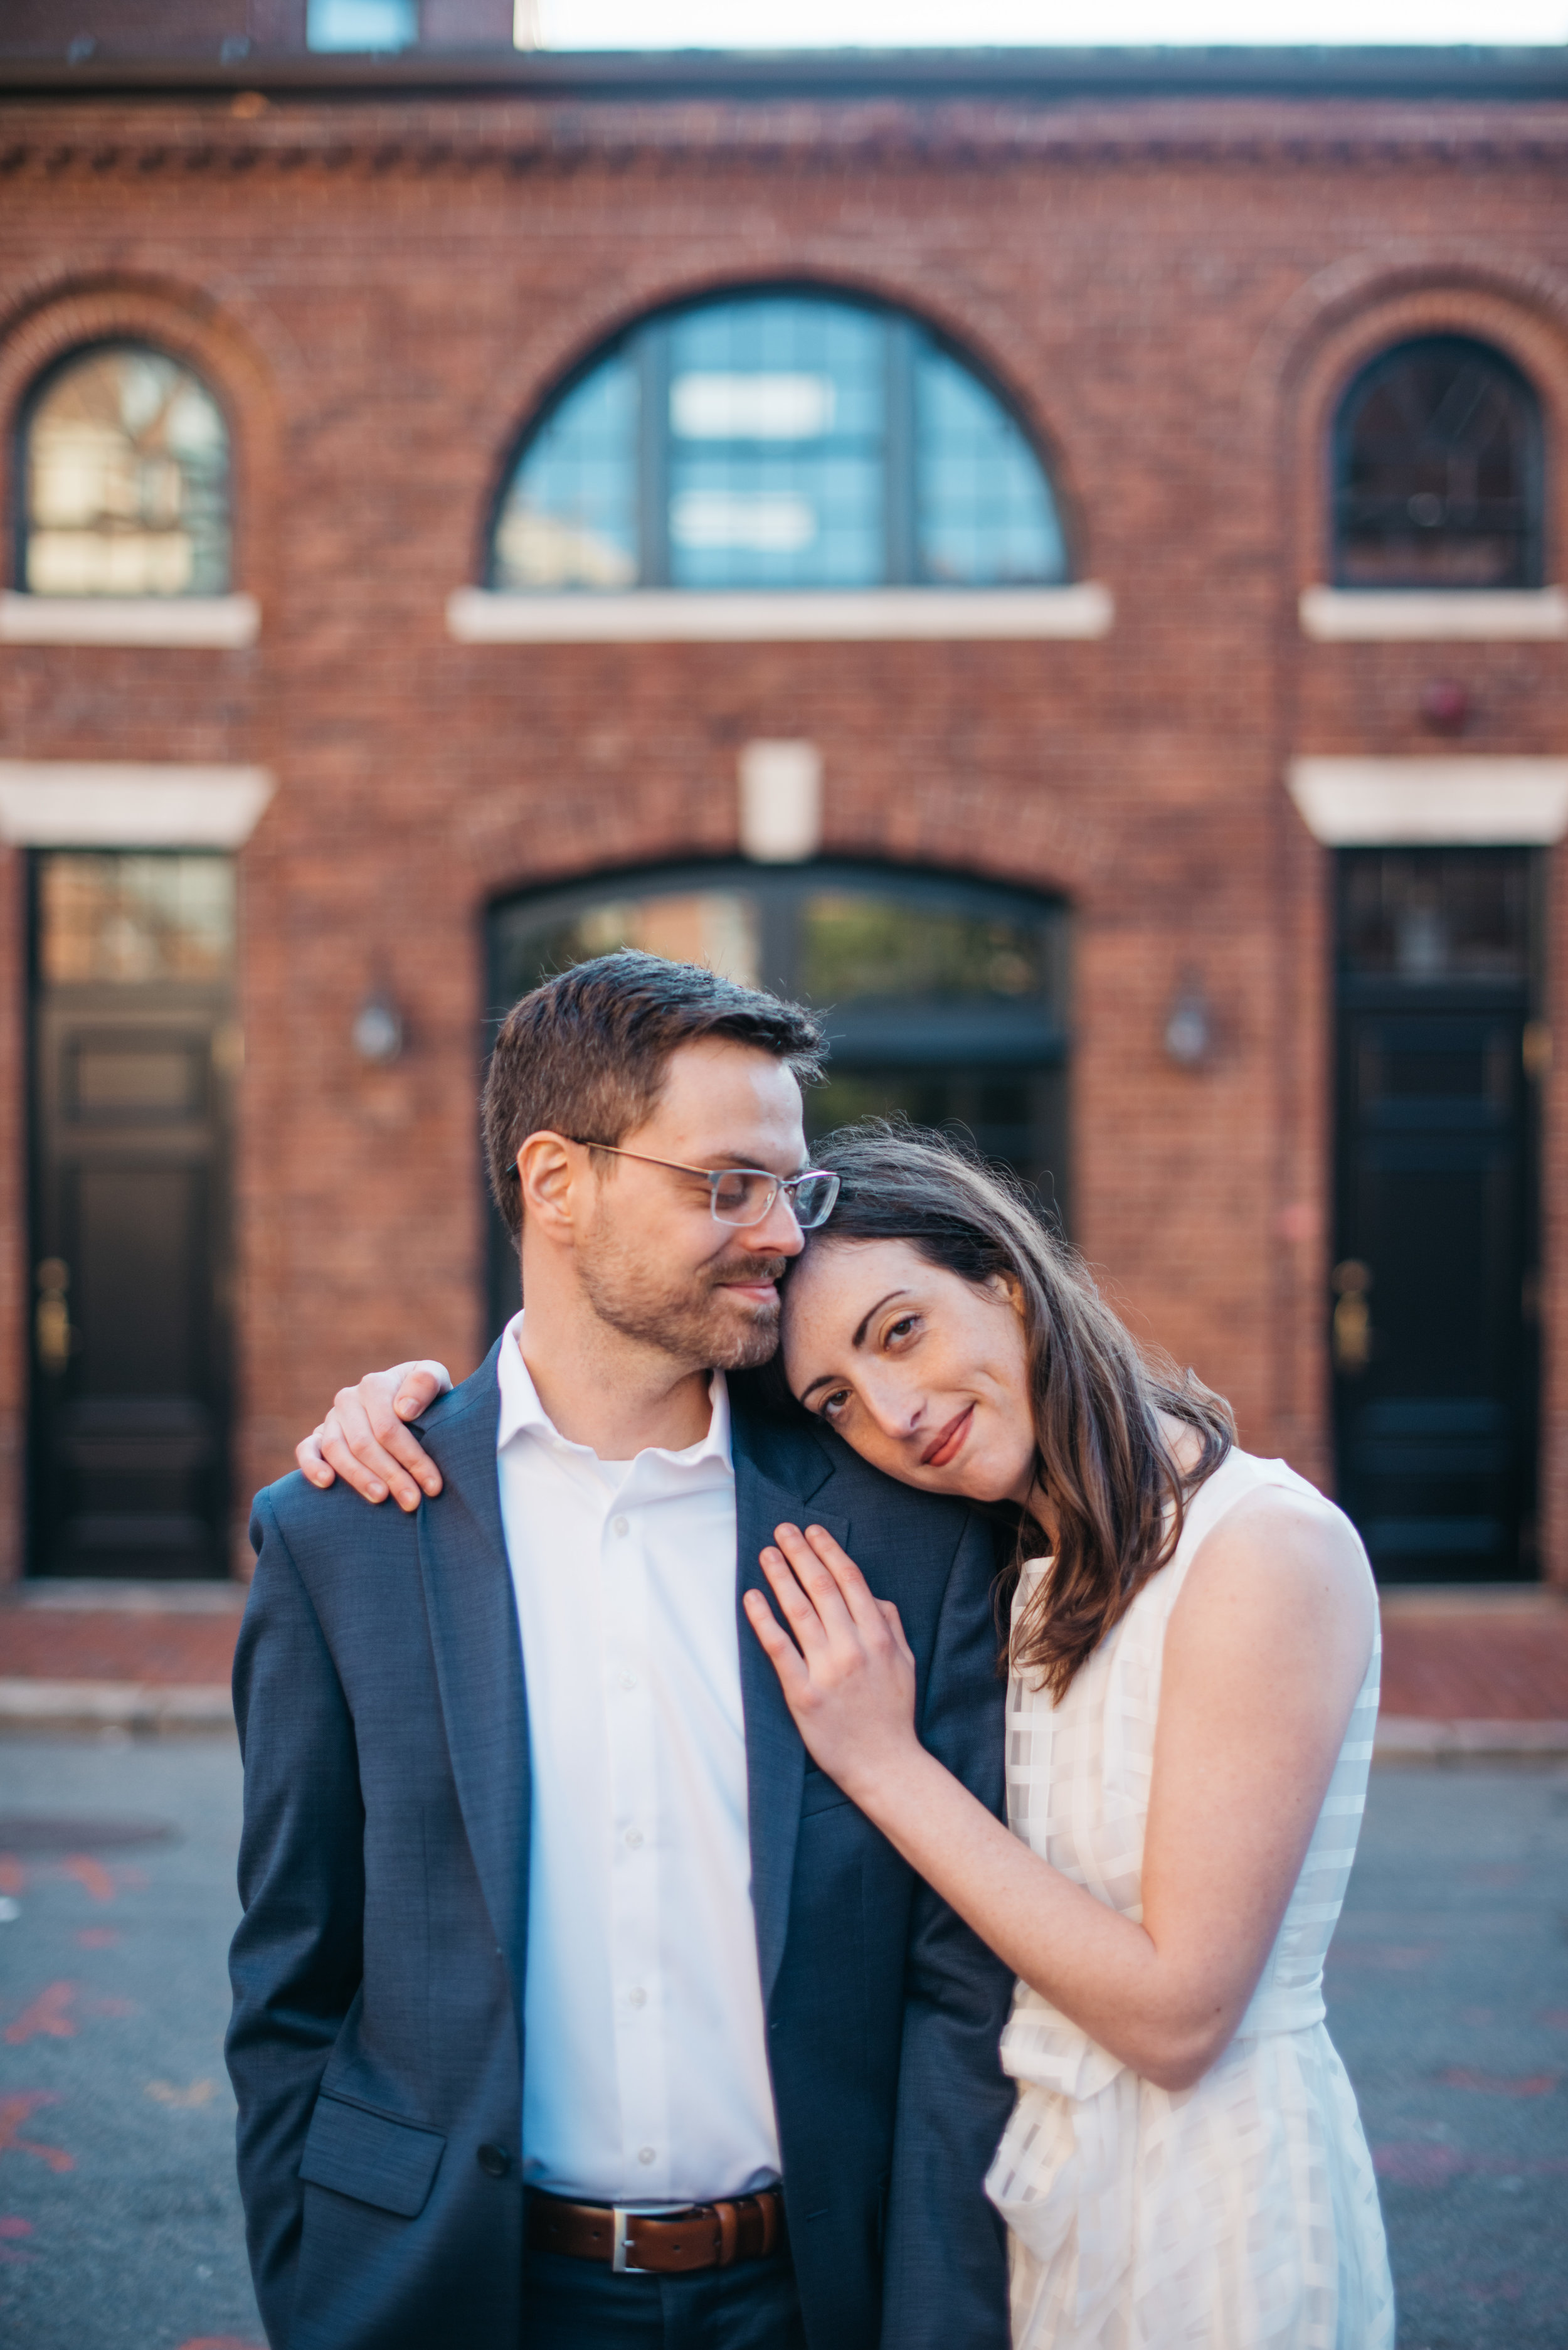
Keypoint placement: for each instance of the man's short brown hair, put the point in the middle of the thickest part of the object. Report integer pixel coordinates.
(585, 1055)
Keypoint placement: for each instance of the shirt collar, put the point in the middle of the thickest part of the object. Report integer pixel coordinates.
(522, 1412)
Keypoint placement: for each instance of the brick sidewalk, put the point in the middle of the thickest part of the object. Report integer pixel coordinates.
(1446, 1656)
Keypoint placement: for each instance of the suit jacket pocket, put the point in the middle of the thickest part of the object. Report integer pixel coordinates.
(370, 2155)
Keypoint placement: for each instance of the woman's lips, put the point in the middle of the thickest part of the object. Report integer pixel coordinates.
(945, 1448)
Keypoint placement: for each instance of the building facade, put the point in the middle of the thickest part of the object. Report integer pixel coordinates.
(1056, 559)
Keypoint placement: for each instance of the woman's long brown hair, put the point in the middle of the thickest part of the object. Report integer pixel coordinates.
(1114, 1490)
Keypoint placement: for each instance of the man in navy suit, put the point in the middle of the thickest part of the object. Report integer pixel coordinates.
(574, 2009)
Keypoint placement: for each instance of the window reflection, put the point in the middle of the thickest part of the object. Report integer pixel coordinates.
(569, 517)
(1434, 914)
(1438, 472)
(132, 919)
(777, 415)
(778, 441)
(127, 480)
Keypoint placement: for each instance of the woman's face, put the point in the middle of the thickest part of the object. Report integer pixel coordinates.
(924, 1374)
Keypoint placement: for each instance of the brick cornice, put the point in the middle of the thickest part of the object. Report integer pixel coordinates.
(229, 134)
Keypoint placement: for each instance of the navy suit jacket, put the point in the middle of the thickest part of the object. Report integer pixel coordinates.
(376, 2046)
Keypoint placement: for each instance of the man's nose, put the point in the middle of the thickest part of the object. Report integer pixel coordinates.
(778, 1234)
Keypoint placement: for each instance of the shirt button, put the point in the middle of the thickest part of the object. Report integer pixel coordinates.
(645, 2154)
(629, 1680)
(634, 1838)
(619, 1526)
(637, 1998)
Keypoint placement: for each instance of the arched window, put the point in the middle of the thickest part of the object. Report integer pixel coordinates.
(778, 441)
(944, 998)
(1438, 470)
(126, 474)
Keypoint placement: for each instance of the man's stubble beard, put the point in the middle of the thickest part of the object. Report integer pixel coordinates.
(690, 1319)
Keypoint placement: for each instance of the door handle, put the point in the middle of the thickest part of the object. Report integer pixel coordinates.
(55, 1337)
(1351, 1331)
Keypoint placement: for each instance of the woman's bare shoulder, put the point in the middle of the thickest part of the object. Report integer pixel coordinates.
(1286, 1565)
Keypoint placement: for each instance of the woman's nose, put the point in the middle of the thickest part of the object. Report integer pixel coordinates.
(895, 1413)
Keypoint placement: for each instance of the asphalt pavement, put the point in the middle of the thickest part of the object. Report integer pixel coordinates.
(120, 2224)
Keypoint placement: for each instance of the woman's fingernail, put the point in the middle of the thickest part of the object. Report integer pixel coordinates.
(377, 1493)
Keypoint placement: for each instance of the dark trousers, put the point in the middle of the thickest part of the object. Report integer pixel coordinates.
(572, 2304)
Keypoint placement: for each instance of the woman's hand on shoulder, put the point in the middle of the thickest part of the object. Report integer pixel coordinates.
(364, 1439)
(848, 1674)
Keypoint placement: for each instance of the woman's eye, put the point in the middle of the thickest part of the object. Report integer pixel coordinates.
(834, 1404)
(901, 1328)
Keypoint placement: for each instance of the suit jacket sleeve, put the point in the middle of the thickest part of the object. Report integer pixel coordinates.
(296, 1961)
(945, 2247)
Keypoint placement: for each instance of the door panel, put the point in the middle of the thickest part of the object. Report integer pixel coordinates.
(1434, 1360)
(130, 1358)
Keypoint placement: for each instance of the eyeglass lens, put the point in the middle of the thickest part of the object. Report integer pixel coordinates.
(741, 1196)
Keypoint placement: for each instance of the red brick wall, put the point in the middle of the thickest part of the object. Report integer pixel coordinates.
(1173, 293)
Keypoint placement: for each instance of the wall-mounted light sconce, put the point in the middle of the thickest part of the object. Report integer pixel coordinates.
(1190, 1024)
(378, 1030)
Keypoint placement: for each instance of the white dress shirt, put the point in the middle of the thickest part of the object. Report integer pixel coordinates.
(646, 2078)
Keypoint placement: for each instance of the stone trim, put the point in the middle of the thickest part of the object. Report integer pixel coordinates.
(1499, 616)
(1387, 803)
(229, 623)
(476, 615)
(91, 803)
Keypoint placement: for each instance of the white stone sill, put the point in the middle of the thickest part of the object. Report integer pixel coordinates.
(225, 623)
(1372, 616)
(1392, 803)
(125, 803)
(476, 615)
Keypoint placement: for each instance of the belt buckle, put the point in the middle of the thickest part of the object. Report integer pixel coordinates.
(621, 2261)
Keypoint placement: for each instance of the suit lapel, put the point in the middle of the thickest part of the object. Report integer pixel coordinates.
(776, 1758)
(478, 1653)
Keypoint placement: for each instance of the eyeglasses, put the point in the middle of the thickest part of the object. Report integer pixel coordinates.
(744, 1195)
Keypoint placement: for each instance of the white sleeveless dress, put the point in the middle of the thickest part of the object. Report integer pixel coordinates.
(1240, 2213)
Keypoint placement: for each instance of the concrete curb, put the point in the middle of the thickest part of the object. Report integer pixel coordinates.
(144, 1706)
(1404, 1738)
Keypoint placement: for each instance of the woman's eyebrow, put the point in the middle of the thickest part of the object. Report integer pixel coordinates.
(859, 1340)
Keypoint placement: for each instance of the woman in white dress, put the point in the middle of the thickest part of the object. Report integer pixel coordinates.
(1193, 1668)
(1193, 1682)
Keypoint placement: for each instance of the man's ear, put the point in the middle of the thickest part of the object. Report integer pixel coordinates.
(551, 1172)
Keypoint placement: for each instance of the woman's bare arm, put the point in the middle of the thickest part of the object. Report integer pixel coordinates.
(1263, 1657)
(364, 1441)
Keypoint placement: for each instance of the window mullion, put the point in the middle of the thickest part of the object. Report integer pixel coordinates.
(900, 454)
(653, 454)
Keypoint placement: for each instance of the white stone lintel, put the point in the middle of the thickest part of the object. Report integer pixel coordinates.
(113, 804)
(225, 623)
(1425, 616)
(475, 616)
(1391, 802)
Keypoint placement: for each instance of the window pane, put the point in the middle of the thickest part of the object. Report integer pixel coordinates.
(715, 927)
(361, 23)
(986, 516)
(128, 481)
(132, 918)
(854, 947)
(570, 519)
(776, 445)
(1437, 472)
(1434, 914)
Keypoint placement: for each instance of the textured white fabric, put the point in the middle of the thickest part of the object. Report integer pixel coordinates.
(1240, 2213)
(647, 2078)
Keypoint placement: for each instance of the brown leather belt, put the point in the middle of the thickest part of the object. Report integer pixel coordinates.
(698, 2236)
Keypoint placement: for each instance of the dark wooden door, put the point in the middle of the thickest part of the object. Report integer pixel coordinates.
(130, 1378)
(1433, 1311)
